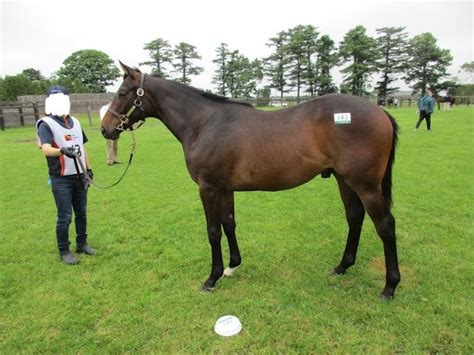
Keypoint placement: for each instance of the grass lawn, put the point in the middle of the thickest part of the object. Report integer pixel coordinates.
(142, 292)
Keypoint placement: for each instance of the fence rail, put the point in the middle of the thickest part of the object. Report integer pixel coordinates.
(14, 113)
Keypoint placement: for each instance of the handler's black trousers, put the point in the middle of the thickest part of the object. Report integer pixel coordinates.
(424, 115)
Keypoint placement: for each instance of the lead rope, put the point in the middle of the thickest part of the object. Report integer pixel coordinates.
(88, 180)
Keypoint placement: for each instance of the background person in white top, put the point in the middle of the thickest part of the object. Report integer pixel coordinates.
(112, 144)
(62, 141)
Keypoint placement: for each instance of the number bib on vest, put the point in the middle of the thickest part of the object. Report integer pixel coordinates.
(67, 137)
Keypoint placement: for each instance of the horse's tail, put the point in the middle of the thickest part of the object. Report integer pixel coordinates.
(387, 179)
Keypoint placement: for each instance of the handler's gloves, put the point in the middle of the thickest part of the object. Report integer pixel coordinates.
(69, 152)
(90, 173)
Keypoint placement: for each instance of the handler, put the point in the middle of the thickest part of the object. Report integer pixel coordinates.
(62, 141)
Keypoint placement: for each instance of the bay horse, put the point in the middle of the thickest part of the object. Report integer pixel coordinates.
(230, 146)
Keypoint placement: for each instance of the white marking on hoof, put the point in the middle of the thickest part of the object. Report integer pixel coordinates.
(230, 271)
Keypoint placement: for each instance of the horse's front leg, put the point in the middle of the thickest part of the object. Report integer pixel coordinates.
(228, 223)
(211, 199)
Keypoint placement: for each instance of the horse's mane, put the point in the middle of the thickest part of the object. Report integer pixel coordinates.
(222, 99)
(207, 95)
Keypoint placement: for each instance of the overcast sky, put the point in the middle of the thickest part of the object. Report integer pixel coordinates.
(42, 34)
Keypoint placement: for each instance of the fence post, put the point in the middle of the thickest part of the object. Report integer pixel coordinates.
(89, 114)
(22, 118)
(2, 120)
(36, 110)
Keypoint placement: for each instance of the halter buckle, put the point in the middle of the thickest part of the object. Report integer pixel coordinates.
(138, 102)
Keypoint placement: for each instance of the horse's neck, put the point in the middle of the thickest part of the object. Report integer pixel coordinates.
(173, 109)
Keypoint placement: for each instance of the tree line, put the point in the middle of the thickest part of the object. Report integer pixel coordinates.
(301, 62)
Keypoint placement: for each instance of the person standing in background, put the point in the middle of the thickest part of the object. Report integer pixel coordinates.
(425, 107)
(112, 144)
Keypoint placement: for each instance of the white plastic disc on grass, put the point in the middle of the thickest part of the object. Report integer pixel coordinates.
(228, 326)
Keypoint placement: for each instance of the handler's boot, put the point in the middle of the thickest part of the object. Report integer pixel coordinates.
(68, 257)
(86, 249)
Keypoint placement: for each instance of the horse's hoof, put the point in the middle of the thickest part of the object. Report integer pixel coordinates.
(209, 285)
(228, 272)
(207, 288)
(387, 296)
(336, 272)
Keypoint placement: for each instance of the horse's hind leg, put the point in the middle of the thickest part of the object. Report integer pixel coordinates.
(379, 212)
(355, 217)
(228, 223)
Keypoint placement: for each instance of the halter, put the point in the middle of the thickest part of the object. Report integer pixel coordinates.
(137, 104)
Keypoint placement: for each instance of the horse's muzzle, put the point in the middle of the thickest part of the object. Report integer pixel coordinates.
(110, 135)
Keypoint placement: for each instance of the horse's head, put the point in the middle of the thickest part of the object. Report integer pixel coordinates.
(127, 108)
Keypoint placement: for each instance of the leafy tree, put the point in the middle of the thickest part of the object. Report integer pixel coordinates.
(360, 50)
(160, 54)
(258, 71)
(326, 59)
(467, 73)
(276, 65)
(427, 63)
(13, 86)
(94, 69)
(221, 73)
(464, 90)
(301, 49)
(184, 54)
(236, 74)
(33, 74)
(263, 96)
(391, 43)
(244, 75)
(3, 91)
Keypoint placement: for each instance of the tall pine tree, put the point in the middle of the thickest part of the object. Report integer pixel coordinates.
(183, 55)
(160, 54)
(326, 59)
(427, 63)
(301, 49)
(276, 65)
(361, 52)
(221, 74)
(392, 44)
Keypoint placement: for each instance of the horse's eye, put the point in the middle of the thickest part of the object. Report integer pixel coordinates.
(121, 94)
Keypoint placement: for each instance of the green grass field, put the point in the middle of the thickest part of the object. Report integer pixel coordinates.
(142, 292)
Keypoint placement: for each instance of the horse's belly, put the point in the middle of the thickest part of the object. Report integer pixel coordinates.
(274, 174)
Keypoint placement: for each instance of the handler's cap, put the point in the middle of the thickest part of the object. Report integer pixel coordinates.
(57, 101)
(57, 89)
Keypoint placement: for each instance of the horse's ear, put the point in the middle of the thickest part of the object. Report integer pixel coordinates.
(129, 71)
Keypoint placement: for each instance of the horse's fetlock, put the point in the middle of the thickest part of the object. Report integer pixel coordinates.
(235, 260)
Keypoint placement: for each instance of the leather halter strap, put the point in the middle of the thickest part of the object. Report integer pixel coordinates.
(137, 104)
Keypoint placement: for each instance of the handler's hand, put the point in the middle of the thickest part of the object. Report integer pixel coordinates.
(90, 173)
(69, 152)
